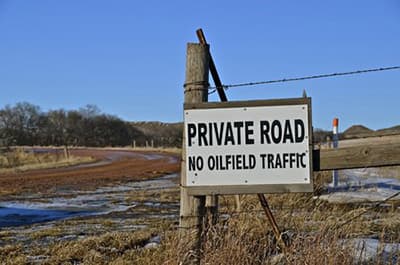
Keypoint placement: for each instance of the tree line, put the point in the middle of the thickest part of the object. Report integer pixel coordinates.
(26, 124)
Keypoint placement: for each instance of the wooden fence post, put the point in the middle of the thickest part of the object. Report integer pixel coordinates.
(212, 201)
(192, 209)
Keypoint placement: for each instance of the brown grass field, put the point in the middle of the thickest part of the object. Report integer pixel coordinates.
(318, 232)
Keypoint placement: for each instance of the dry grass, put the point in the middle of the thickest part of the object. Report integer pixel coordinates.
(19, 160)
(160, 149)
(241, 238)
(318, 233)
(50, 232)
(311, 226)
(390, 172)
(172, 150)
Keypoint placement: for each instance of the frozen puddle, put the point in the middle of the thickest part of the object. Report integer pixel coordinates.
(362, 186)
(13, 216)
(70, 204)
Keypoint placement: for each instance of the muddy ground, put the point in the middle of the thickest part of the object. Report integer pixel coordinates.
(112, 166)
(137, 194)
(122, 191)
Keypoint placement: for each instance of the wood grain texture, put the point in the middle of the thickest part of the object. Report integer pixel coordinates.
(370, 155)
(196, 90)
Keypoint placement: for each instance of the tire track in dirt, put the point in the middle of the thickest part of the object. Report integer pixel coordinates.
(113, 166)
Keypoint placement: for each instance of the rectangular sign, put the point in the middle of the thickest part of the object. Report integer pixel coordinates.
(248, 147)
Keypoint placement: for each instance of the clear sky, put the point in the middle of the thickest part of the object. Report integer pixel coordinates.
(128, 57)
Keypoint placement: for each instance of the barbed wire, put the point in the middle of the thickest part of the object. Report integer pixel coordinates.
(374, 206)
(308, 77)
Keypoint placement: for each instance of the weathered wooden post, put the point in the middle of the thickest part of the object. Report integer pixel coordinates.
(192, 209)
(212, 200)
(66, 152)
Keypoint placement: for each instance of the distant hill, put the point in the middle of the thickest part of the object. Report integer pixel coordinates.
(357, 131)
(360, 131)
(390, 130)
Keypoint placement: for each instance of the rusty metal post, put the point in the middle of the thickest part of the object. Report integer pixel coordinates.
(272, 221)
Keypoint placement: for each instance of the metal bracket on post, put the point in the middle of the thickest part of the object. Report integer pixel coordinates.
(213, 69)
(272, 221)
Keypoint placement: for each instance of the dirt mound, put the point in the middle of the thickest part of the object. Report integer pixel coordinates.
(390, 130)
(357, 131)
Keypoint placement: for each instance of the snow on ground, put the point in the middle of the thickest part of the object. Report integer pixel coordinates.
(67, 204)
(366, 186)
(362, 186)
(368, 249)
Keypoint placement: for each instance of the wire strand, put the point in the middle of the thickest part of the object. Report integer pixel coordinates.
(310, 77)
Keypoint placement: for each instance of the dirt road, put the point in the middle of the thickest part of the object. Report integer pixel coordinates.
(112, 166)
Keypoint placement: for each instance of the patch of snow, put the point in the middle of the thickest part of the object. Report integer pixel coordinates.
(151, 245)
(153, 242)
(36, 259)
(68, 204)
(362, 186)
(368, 249)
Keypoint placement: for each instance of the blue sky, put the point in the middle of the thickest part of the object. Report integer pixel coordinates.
(128, 57)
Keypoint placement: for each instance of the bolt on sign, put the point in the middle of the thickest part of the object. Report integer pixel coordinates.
(262, 146)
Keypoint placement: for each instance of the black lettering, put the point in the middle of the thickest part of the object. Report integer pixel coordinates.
(192, 163)
(287, 134)
(276, 131)
(228, 161)
(202, 134)
(218, 133)
(191, 133)
(249, 131)
(199, 163)
(252, 161)
(278, 161)
(263, 160)
(210, 134)
(239, 162)
(238, 125)
(245, 165)
(222, 166)
(195, 163)
(264, 132)
(271, 161)
(285, 159)
(229, 134)
(292, 159)
(211, 163)
(299, 130)
(303, 164)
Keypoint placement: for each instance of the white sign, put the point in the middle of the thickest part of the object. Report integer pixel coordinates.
(254, 145)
